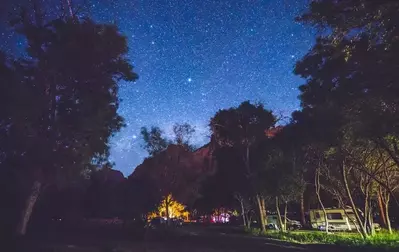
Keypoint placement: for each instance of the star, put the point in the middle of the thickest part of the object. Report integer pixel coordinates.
(193, 63)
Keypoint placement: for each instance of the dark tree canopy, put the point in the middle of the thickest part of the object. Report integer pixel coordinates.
(241, 126)
(154, 141)
(71, 108)
(60, 101)
(349, 18)
(352, 67)
(350, 98)
(219, 188)
(183, 134)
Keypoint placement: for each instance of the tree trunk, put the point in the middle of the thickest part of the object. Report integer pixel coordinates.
(243, 212)
(167, 210)
(279, 215)
(363, 231)
(247, 160)
(69, 6)
(302, 203)
(317, 185)
(249, 220)
(325, 217)
(261, 214)
(264, 209)
(28, 209)
(382, 210)
(366, 209)
(371, 222)
(387, 213)
(285, 216)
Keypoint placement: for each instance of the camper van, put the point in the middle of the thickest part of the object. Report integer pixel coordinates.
(338, 219)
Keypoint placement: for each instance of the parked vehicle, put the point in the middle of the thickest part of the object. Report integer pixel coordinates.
(338, 219)
(273, 223)
(177, 222)
(156, 223)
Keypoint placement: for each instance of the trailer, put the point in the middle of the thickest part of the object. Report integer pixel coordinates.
(338, 219)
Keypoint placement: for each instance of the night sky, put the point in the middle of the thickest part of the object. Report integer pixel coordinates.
(194, 57)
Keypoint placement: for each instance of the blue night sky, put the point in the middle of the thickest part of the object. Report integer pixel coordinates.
(194, 57)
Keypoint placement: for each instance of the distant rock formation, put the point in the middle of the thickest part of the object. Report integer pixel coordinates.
(109, 175)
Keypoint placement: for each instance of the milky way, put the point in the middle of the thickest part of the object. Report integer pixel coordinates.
(194, 57)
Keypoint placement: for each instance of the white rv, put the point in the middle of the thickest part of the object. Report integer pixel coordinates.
(338, 219)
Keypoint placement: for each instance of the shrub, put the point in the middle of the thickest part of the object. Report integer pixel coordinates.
(384, 239)
(256, 231)
(380, 240)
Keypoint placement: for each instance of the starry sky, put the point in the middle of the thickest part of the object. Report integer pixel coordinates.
(194, 57)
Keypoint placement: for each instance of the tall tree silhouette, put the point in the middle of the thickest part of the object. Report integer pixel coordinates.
(243, 128)
(351, 76)
(70, 80)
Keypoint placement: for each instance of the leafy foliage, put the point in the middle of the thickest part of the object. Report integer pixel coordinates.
(183, 133)
(381, 240)
(175, 208)
(243, 129)
(60, 101)
(242, 126)
(350, 98)
(219, 188)
(175, 171)
(154, 142)
(75, 98)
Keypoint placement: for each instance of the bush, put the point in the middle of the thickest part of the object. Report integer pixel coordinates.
(380, 240)
(254, 231)
(384, 239)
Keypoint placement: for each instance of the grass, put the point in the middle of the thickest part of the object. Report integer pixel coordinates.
(382, 239)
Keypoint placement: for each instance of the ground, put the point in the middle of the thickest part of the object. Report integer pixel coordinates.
(192, 238)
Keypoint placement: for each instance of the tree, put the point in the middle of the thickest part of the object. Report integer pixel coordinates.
(242, 128)
(154, 142)
(246, 207)
(291, 141)
(376, 173)
(318, 193)
(309, 135)
(350, 76)
(281, 180)
(354, 62)
(175, 171)
(183, 134)
(69, 79)
(225, 186)
(376, 19)
(388, 175)
(18, 118)
(170, 208)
